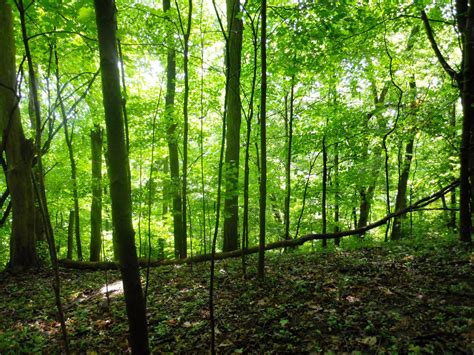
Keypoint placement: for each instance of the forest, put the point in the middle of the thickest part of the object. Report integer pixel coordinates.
(195, 176)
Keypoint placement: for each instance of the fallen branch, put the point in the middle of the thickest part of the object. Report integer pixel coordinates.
(110, 265)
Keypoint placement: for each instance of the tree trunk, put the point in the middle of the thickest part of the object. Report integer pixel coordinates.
(96, 207)
(367, 192)
(366, 196)
(118, 175)
(452, 225)
(180, 247)
(69, 137)
(249, 118)
(465, 82)
(233, 108)
(19, 153)
(336, 194)
(398, 230)
(467, 142)
(324, 194)
(263, 143)
(166, 170)
(401, 200)
(186, 35)
(289, 137)
(70, 235)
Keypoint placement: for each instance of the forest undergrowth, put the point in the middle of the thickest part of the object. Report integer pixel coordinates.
(403, 297)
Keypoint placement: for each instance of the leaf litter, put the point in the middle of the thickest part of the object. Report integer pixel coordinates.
(396, 298)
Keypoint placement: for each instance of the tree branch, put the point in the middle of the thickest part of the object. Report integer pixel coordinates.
(109, 265)
(455, 76)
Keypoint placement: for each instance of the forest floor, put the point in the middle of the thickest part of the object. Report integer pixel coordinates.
(395, 297)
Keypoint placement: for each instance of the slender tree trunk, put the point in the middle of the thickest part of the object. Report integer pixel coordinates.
(69, 137)
(249, 118)
(233, 108)
(186, 34)
(263, 143)
(96, 207)
(165, 196)
(452, 224)
(367, 192)
(39, 227)
(289, 134)
(217, 205)
(118, 175)
(70, 235)
(324, 191)
(305, 194)
(38, 184)
(401, 200)
(179, 237)
(467, 140)
(398, 230)
(140, 203)
(336, 194)
(201, 138)
(19, 153)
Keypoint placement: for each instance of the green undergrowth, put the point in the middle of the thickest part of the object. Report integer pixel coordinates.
(410, 296)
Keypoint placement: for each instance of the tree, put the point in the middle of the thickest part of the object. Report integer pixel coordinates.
(180, 247)
(96, 207)
(68, 135)
(19, 152)
(464, 79)
(118, 175)
(289, 136)
(233, 107)
(263, 143)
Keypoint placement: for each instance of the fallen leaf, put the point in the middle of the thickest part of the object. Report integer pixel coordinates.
(370, 341)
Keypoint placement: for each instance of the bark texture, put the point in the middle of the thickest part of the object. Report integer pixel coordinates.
(19, 153)
(96, 207)
(233, 108)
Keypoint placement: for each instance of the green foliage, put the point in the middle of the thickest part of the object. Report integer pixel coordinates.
(338, 54)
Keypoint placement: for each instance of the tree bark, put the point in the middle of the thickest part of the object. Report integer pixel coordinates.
(70, 235)
(180, 247)
(263, 144)
(96, 207)
(118, 175)
(186, 35)
(289, 137)
(336, 194)
(467, 141)
(324, 190)
(19, 153)
(233, 108)
(398, 231)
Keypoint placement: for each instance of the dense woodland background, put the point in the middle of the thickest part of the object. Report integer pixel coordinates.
(244, 124)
